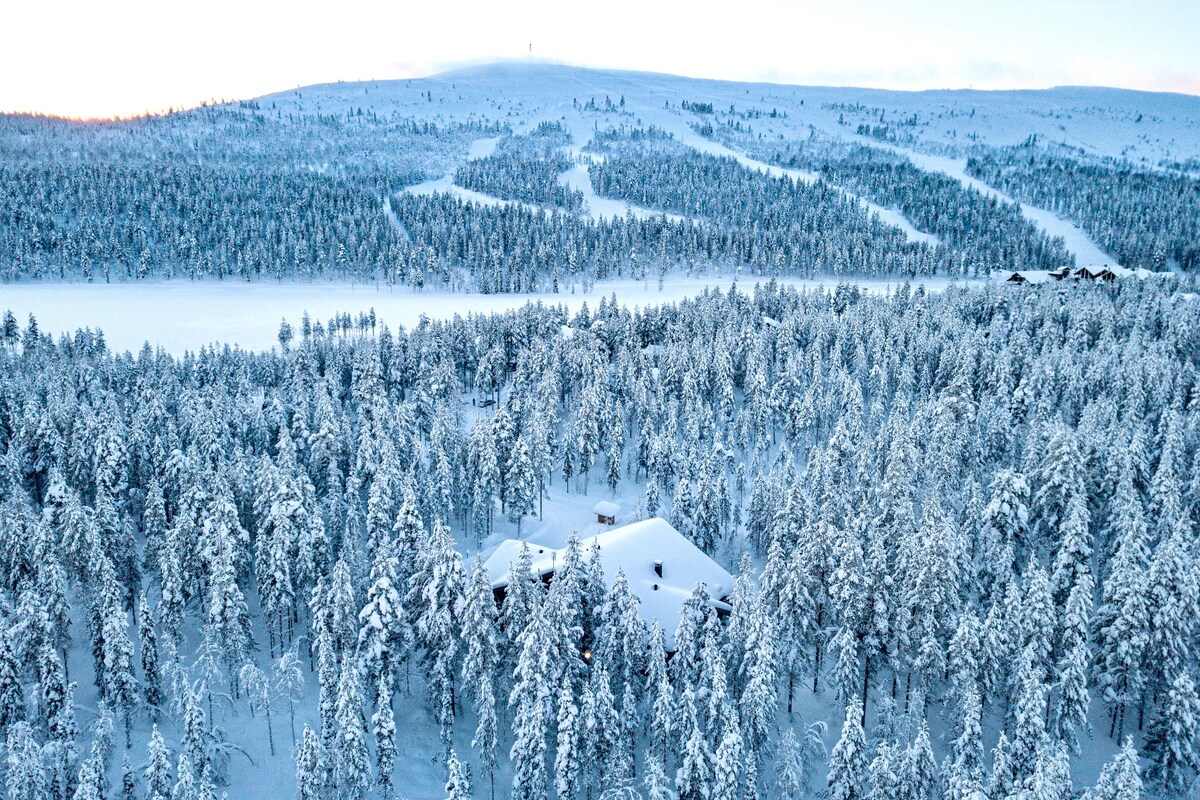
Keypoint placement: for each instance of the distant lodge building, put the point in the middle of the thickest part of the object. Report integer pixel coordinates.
(660, 564)
(1105, 273)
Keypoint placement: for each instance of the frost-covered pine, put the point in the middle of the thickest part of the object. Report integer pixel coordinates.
(569, 757)
(92, 783)
(148, 646)
(384, 634)
(287, 682)
(128, 780)
(310, 769)
(728, 766)
(524, 595)
(341, 604)
(383, 727)
(1174, 606)
(1029, 728)
(1071, 562)
(457, 785)
(12, 696)
(438, 586)
(962, 770)
(848, 760)
(1123, 619)
(651, 498)
(1170, 747)
(120, 684)
(520, 483)
(656, 783)
(1121, 778)
(789, 767)
(327, 686)
(920, 768)
(693, 781)
(481, 662)
(352, 763)
(1071, 697)
(661, 697)
(25, 776)
(257, 687)
(158, 766)
(1006, 516)
(531, 701)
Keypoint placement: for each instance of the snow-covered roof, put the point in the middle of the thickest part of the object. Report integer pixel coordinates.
(606, 508)
(635, 549)
(1029, 275)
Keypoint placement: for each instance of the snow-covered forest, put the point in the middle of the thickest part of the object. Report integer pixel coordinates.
(550, 181)
(946, 526)
(962, 525)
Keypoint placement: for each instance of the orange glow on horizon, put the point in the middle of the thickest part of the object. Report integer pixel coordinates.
(126, 59)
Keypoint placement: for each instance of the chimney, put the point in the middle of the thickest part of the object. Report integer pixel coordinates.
(658, 568)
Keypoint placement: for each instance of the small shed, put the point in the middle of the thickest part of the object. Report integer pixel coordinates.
(606, 512)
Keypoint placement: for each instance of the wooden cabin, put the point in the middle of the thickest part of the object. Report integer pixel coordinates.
(606, 512)
(661, 565)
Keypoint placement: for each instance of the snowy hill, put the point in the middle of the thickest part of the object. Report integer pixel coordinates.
(1140, 126)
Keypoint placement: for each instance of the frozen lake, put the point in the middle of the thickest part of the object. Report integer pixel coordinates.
(186, 315)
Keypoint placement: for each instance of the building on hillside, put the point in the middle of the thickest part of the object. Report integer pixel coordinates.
(606, 512)
(1027, 276)
(660, 564)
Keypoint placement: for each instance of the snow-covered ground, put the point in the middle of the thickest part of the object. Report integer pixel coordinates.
(184, 315)
(1142, 126)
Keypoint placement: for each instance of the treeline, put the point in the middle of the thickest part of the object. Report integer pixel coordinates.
(1146, 219)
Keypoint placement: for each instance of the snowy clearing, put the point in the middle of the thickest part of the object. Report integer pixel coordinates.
(182, 315)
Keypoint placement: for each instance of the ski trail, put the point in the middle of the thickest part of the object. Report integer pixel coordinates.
(888, 216)
(599, 208)
(1079, 244)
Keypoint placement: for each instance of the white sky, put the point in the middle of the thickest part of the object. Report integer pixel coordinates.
(97, 58)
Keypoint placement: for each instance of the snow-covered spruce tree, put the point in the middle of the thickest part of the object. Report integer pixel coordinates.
(436, 589)
(531, 701)
(310, 769)
(287, 683)
(1121, 778)
(384, 634)
(152, 693)
(25, 777)
(383, 727)
(848, 760)
(352, 763)
(481, 661)
(520, 483)
(569, 755)
(1170, 747)
(457, 785)
(962, 771)
(157, 772)
(1071, 697)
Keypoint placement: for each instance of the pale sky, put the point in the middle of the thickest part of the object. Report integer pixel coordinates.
(101, 58)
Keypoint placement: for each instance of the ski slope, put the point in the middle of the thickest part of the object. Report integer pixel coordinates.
(939, 126)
